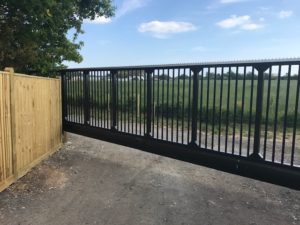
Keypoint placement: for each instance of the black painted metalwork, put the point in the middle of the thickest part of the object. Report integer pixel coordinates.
(198, 113)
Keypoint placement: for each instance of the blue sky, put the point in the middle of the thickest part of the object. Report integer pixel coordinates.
(175, 31)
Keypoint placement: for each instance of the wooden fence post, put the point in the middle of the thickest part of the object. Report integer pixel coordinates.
(11, 72)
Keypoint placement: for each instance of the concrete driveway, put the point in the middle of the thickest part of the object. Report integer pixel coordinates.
(95, 182)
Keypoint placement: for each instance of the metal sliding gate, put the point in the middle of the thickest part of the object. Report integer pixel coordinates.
(239, 117)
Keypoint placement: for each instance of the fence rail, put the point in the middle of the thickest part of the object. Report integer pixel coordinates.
(247, 110)
(30, 123)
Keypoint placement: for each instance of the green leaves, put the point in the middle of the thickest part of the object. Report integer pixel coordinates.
(34, 32)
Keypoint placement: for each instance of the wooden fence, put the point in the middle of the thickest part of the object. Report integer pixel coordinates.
(30, 123)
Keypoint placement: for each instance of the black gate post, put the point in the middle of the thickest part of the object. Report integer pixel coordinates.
(113, 74)
(63, 96)
(149, 72)
(86, 91)
(196, 72)
(261, 68)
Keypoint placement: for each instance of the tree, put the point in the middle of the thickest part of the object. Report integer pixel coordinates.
(34, 32)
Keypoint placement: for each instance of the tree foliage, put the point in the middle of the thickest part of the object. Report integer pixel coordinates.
(34, 33)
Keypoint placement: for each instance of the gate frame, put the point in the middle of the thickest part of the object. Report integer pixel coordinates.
(253, 166)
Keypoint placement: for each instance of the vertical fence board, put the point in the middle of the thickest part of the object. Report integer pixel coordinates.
(6, 167)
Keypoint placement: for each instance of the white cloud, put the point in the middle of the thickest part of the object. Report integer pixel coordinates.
(231, 1)
(161, 29)
(251, 26)
(242, 22)
(98, 20)
(285, 14)
(234, 21)
(130, 5)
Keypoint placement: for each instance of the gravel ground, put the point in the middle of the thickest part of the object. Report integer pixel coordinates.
(95, 182)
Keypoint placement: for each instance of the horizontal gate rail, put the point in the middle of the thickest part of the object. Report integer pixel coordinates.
(241, 117)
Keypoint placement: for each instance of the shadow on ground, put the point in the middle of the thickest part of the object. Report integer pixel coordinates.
(95, 182)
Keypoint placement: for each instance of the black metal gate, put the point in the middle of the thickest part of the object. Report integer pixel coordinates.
(239, 117)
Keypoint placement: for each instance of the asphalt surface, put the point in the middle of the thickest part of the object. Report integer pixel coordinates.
(94, 182)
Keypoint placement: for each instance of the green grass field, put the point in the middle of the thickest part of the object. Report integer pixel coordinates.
(174, 99)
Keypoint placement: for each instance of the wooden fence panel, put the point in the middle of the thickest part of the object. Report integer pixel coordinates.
(34, 113)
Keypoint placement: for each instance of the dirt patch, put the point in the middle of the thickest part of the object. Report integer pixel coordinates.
(39, 179)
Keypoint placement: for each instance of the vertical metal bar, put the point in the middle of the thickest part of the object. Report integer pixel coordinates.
(107, 96)
(153, 103)
(71, 97)
(250, 117)
(149, 102)
(173, 102)
(214, 110)
(68, 94)
(122, 99)
(243, 109)
(76, 97)
(285, 114)
(162, 104)
(178, 97)
(102, 99)
(183, 107)
(168, 93)
(105, 110)
(189, 107)
(113, 100)
(128, 101)
(195, 104)
(207, 107)
(99, 97)
(267, 113)
(92, 97)
(220, 109)
(91, 89)
(82, 97)
(157, 106)
(136, 101)
(259, 106)
(145, 100)
(86, 97)
(123, 93)
(235, 105)
(201, 106)
(140, 103)
(98, 100)
(295, 117)
(109, 81)
(227, 109)
(276, 114)
(117, 101)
